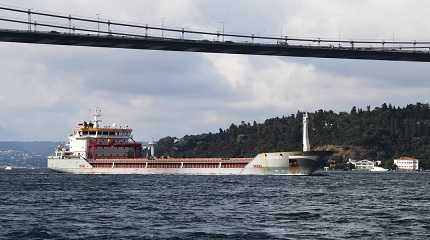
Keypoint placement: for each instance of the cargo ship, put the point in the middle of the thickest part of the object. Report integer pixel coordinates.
(111, 149)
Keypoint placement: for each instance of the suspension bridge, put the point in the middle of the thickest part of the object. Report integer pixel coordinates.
(41, 27)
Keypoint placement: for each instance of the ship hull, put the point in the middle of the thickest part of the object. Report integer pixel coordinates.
(284, 163)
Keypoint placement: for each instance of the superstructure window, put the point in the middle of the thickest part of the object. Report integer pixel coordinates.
(92, 133)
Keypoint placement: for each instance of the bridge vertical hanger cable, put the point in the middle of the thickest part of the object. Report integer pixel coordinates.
(70, 24)
(146, 31)
(29, 20)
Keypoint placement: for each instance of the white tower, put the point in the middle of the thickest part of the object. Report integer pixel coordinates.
(306, 145)
(152, 148)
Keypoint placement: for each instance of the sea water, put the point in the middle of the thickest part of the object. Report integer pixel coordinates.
(39, 204)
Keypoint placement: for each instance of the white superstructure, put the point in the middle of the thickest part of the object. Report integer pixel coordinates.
(364, 165)
(367, 165)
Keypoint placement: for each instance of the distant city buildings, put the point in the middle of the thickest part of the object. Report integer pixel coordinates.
(407, 163)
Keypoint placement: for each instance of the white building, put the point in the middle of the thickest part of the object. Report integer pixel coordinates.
(407, 163)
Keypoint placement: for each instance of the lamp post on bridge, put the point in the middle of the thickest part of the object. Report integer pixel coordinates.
(222, 29)
(98, 24)
(162, 26)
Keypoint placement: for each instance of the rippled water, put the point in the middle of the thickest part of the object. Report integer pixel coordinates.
(36, 204)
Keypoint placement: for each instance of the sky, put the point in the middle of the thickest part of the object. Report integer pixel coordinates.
(46, 90)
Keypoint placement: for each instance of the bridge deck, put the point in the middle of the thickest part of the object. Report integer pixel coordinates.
(153, 43)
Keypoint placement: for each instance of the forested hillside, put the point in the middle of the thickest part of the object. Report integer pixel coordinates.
(380, 133)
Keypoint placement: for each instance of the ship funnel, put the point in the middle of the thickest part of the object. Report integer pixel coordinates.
(306, 145)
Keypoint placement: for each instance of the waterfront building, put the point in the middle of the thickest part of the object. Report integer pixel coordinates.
(407, 163)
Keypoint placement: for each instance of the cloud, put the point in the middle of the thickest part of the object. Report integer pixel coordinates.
(134, 72)
(382, 74)
(47, 89)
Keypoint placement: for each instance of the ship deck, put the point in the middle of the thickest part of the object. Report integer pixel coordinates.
(171, 160)
(170, 163)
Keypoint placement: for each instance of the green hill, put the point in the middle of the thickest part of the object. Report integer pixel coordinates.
(381, 133)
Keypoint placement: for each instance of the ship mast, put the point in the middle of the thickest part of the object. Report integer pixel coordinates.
(306, 145)
(97, 114)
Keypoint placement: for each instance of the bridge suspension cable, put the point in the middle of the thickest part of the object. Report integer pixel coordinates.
(110, 24)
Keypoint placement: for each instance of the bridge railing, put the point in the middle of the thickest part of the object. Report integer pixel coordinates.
(32, 20)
